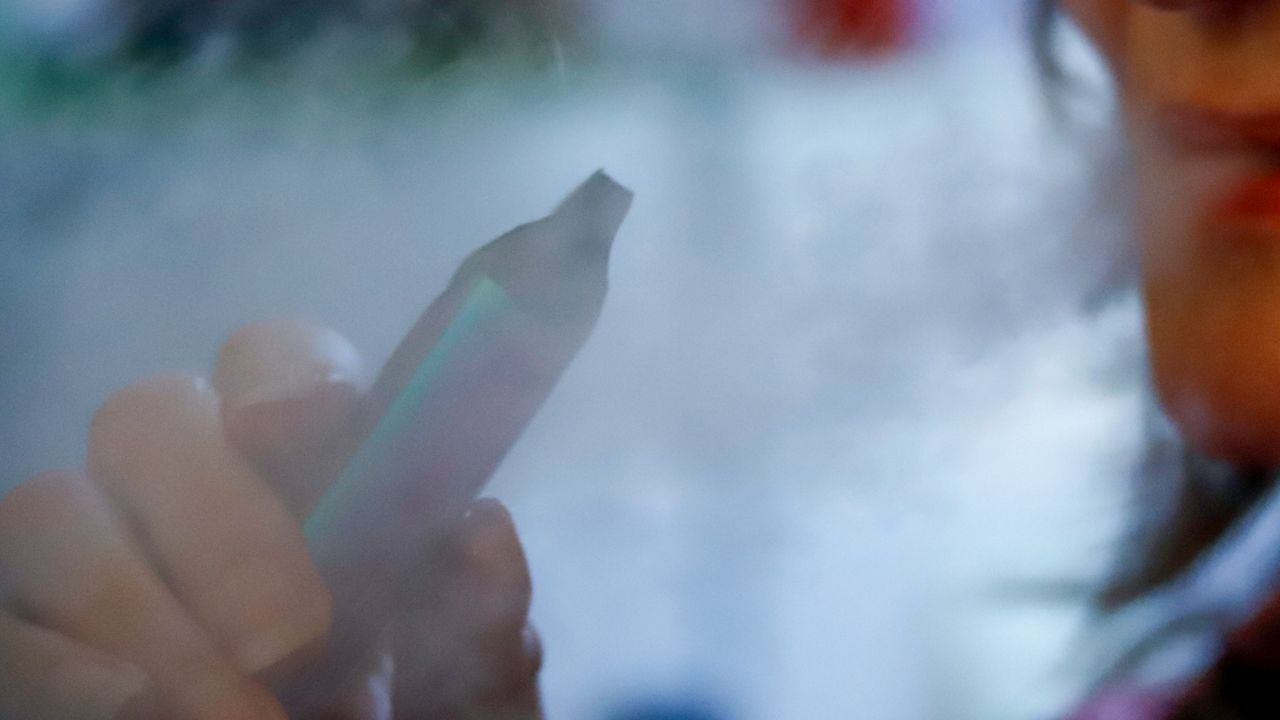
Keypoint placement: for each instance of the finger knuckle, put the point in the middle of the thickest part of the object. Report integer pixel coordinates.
(288, 349)
(60, 559)
(114, 591)
(280, 604)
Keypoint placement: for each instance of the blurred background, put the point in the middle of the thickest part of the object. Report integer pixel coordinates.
(853, 436)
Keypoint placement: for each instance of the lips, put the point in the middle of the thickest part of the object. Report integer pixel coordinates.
(1205, 129)
(1254, 200)
(1248, 143)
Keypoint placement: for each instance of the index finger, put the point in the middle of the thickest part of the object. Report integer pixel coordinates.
(290, 391)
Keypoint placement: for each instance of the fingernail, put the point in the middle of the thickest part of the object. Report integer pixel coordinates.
(495, 565)
(274, 361)
(289, 384)
(485, 536)
(486, 511)
(293, 388)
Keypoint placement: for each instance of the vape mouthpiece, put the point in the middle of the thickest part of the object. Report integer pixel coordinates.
(593, 212)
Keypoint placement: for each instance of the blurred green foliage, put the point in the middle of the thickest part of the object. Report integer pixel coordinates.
(347, 41)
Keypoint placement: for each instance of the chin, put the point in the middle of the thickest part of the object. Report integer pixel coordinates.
(1241, 437)
(1213, 333)
(1225, 401)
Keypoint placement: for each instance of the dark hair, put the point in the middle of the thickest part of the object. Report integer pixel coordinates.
(1183, 504)
(1043, 20)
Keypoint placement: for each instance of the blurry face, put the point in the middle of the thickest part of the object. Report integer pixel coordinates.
(1200, 88)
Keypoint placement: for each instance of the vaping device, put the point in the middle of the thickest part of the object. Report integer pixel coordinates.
(445, 409)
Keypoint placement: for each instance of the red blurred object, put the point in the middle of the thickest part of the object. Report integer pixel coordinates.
(855, 28)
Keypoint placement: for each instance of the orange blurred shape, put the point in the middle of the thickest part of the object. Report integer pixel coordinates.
(854, 28)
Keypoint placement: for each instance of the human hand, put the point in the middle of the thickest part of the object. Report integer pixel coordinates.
(171, 579)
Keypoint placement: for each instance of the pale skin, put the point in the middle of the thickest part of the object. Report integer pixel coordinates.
(169, 578)
(1199, 90)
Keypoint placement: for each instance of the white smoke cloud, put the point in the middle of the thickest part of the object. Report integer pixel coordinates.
(862, 356)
